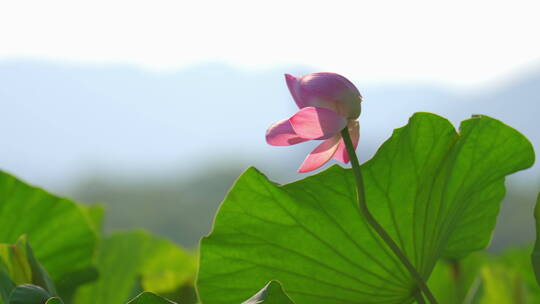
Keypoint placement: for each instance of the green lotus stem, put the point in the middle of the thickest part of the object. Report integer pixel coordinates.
(364, 211)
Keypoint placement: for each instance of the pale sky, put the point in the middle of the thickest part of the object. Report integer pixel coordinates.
(458, 43)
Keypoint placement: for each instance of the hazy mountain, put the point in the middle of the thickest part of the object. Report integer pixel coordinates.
(112, 123)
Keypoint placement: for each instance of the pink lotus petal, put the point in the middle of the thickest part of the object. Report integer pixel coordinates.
(341, 153)
(282, 134)
(317, 123)
(294, 87)
(320, 155)
(328, 90)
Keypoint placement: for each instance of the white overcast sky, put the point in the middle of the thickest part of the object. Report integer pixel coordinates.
(462, 43)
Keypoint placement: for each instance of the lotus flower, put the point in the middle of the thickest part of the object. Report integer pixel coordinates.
(328, 103)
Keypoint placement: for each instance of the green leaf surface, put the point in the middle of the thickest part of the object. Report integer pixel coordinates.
(127, 257)
(95, 214)
(40, 277)
(69, 283)
(435, 191)
(14, 262)
(535, 256)
(6, 286)
(272, 293)
(59, 231)
(28, 294)
(149, 298)
(18, 264)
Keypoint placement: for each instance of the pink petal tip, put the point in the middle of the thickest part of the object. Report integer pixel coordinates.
(320, 155)
(282, 134)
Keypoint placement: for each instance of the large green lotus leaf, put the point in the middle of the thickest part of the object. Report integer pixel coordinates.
(127, 257)
(272, 293)
(58, 229)
(149, 298)
(435, 191)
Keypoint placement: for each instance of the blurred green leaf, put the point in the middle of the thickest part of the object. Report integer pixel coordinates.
(69, 283)
(28, 294)
(167, 266)
(518, 261)
(59, 231)
(535, 257)
(18, 264)
(436, 192)
(502, 285)
(15, 262)
(272, 293)
(6, 285)
(40, 277)
(149, 298)
(454, 281)
(95, 213)
(126, 257)
(478, 278)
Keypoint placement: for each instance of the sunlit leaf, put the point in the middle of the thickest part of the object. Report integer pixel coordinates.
(435, 191)
(59, 231)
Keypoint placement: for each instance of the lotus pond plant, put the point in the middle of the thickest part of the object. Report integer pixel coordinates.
(329, 106)
(407, 226)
